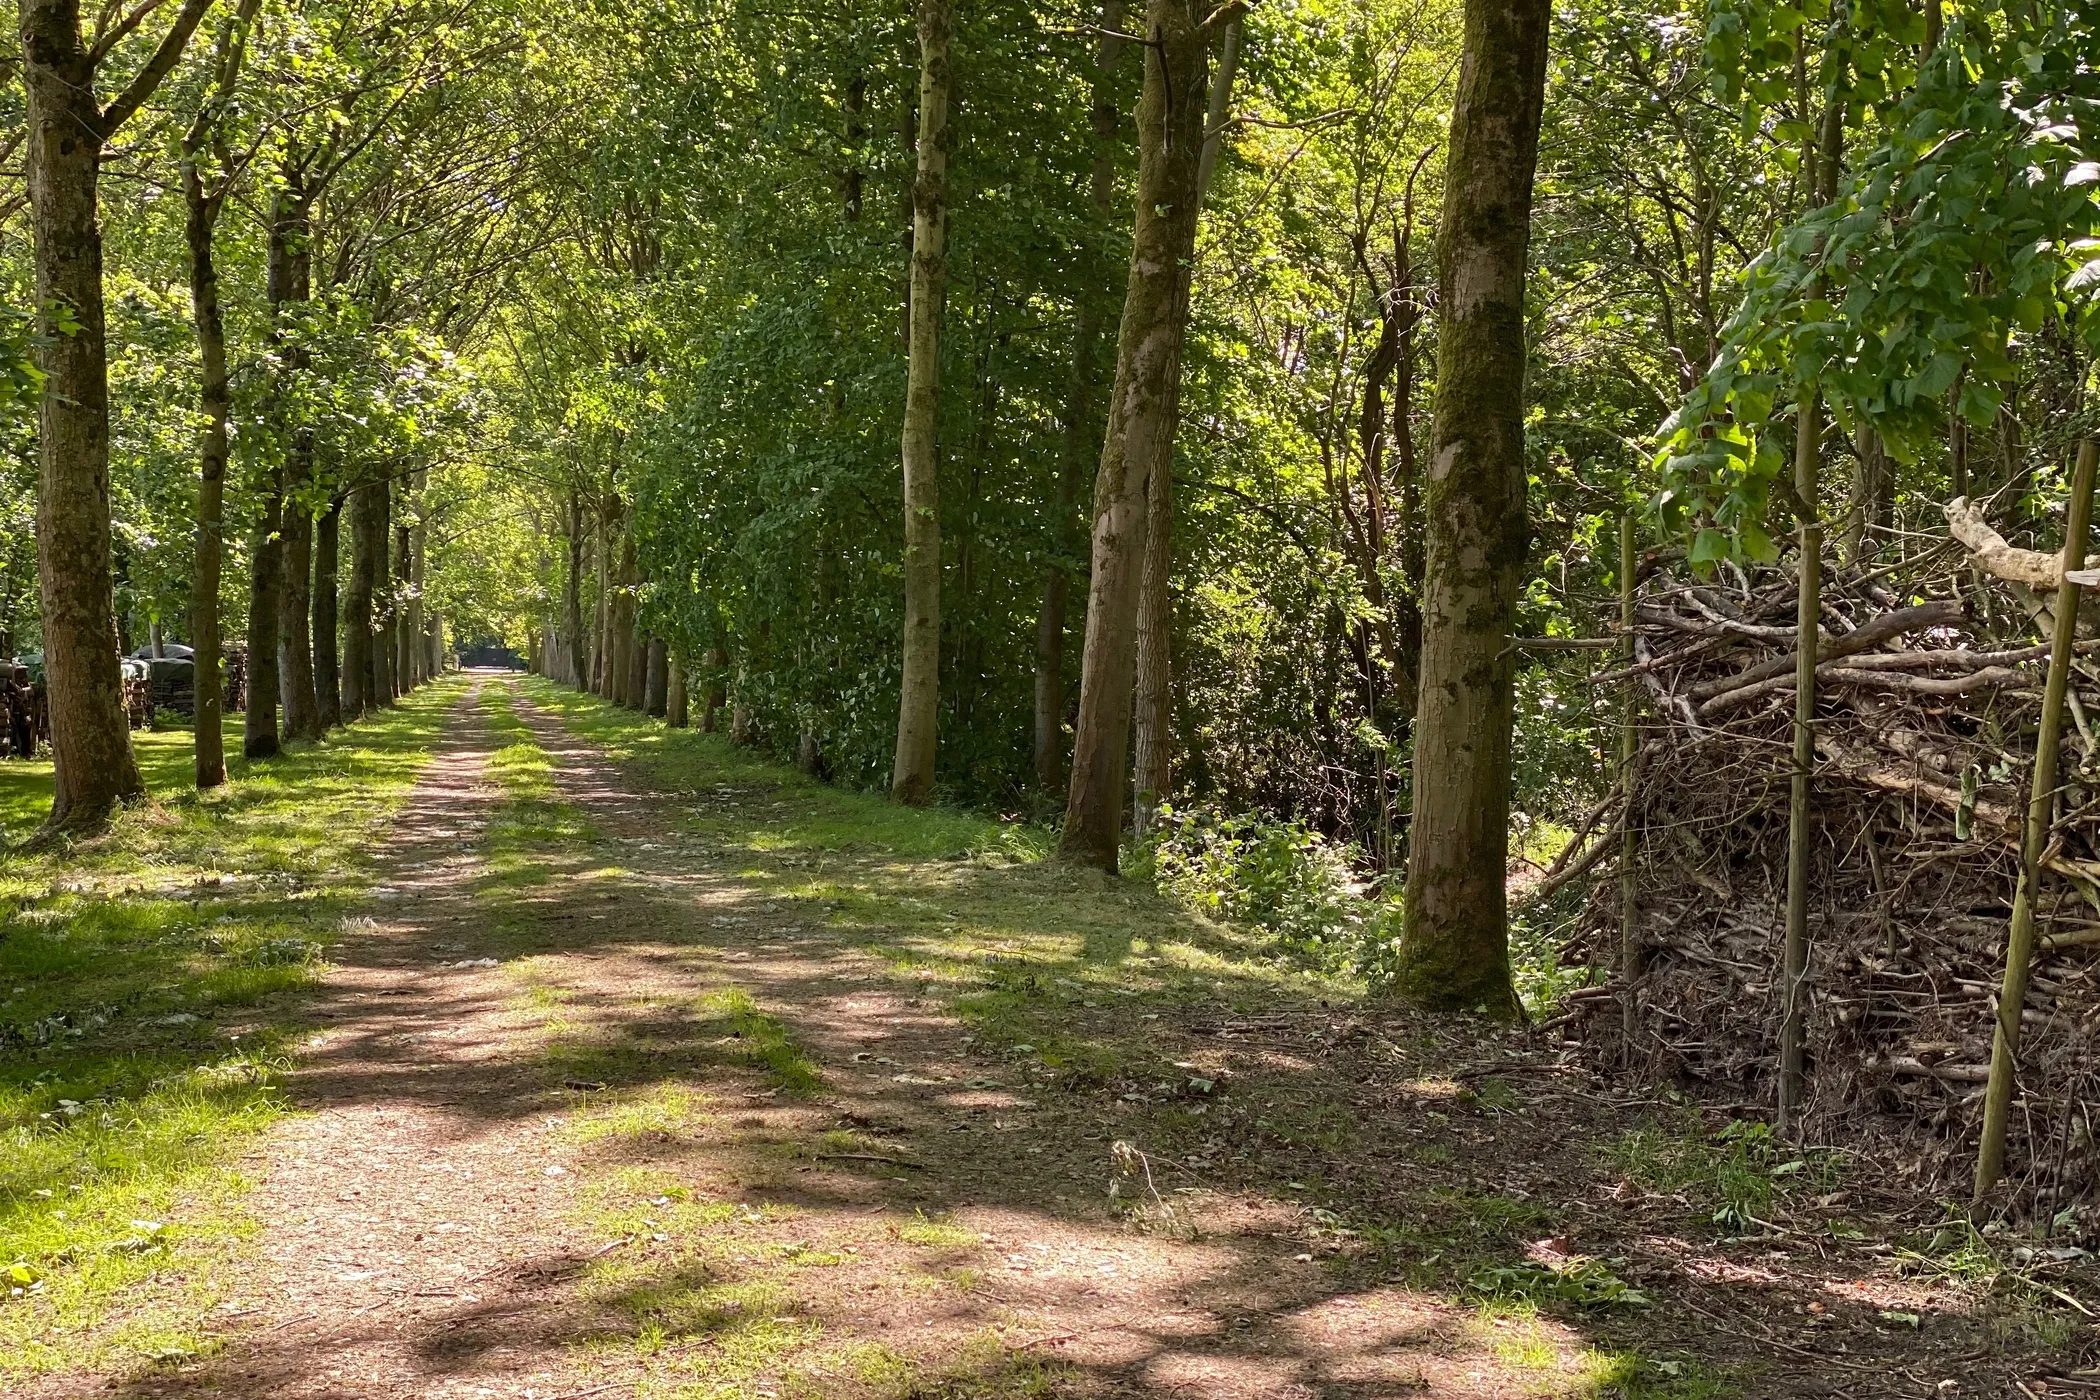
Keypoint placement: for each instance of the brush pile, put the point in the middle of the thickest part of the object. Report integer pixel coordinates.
(1930, 694)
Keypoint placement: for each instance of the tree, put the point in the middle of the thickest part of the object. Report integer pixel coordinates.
(1454, 951)
(1144, 409)
(919, 691)
(1081, 426)
(68, 132)
(204, 195)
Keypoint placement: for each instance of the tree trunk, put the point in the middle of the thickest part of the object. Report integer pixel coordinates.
(295, 666)
(677, 707)
(621, 686)
(90, 734)
(1143, 411)
(717, 694)
(265, 581)
(572, 597)
(357, 610)
(1873, 506)
(1153, 716)
(1081, 431)
(379, 655)
(918, 703)
(405, 623)
(1454, 952)
(637, 643)
(328, 676)
(215, 406)
(288, 282)
(418, 548)
(657, 685)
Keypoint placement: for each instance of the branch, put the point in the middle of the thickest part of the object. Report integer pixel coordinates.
(1990, 553)
(113, 36)
(158, 67)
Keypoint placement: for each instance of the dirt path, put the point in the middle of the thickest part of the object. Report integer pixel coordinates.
(596, 1113)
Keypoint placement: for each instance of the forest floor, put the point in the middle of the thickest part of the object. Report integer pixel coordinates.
(638, 1067)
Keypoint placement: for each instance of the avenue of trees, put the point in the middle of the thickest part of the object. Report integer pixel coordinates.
(1078, 407)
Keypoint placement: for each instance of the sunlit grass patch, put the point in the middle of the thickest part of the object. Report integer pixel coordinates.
(669, 1109)
(933, 1232)
(762, 1041)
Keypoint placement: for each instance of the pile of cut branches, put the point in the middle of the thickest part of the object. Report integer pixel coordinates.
(1929, 694)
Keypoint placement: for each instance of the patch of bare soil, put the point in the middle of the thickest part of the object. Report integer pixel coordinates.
(628, 1122)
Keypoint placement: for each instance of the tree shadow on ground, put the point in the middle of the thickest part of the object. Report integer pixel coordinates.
(846, 1090)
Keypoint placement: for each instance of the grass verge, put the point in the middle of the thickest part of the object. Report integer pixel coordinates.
(150, 987)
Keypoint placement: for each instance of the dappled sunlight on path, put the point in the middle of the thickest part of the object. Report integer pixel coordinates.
(591, 1111)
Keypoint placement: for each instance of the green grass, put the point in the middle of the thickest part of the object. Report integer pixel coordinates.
(150, 985)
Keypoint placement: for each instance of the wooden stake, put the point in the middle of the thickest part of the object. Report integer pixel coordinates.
(2041, 796)
(1808, 449)
(1629, 755)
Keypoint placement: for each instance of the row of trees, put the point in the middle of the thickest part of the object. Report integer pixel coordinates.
(1045, 403)
(324, 191)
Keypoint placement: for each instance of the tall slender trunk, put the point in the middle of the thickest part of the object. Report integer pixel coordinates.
(1454, 952)
(357, 608)
(602, 625)
(918, 701)
(1081, 429)
(295, 658)
(677, 705)
(637, 665)
(214, 406)
(1152, 718)
(1143, 412)
(656, 687)
(379, 679)
(265, 580)
(418, 567)
(406, 622)
(328, 676)
(572, 596)
(717, 662)
(289, 281)
(90, 733)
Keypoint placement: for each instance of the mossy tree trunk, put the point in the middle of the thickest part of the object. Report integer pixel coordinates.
(911, 773)
(62, 158)
(1142, 414)
(1454, 952)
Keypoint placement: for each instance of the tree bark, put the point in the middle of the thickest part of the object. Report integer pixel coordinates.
(214, 406)
(1143, 411)
(328, 676)
(405, 623)
(1081, 429)
(572, 596)
(379, 654)
(1153, 717)
(418, 548)
(677, 706)
(67, 130)
(918, 701)
(1454, 953)
(717, 693)
(288, 283)
(295, 658)
(265, 581)
(357, 610)
(657, 685)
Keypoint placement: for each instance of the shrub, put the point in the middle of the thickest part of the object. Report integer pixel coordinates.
(1281, 877)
